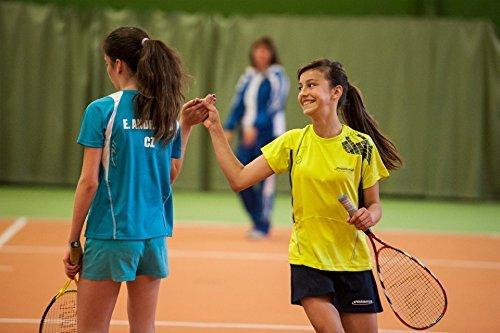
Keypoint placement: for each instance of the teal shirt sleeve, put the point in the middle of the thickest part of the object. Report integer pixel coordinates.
(93, 130)
(177, 145)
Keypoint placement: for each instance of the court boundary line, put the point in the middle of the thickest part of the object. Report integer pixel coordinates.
(258, 256)
(6, 269)
(220, 325)
(227, 224)
(12, 230)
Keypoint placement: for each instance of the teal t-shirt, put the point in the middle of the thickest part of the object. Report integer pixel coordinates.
(134, 197)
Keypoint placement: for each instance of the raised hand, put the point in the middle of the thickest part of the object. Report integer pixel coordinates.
(211, 98)
(213, 118)
(194, 111)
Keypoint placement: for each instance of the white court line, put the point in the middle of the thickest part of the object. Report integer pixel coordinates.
(260, 256)
(32, 249)
(237, 225)
(12, 230)
(160, 323)
(4, 268)
(266, 256)
(209, 224)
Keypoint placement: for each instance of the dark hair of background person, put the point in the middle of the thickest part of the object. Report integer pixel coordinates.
(269, 44)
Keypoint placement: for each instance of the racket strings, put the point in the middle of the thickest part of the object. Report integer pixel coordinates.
(413, 292)
(61, 317)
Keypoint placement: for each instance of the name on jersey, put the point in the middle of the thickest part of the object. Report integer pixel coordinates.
(149, 141)
(136, 124)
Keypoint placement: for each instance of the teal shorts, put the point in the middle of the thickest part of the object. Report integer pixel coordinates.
(124, 260)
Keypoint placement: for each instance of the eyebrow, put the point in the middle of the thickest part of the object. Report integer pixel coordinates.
(310, 80)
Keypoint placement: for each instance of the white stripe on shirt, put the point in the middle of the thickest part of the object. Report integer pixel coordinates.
(251, 102)
(107, 152)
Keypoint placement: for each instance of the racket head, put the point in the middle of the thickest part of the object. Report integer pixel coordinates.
(60, 314)
(414, 293)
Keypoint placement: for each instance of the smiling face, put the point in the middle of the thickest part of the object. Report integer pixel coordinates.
(316, 94)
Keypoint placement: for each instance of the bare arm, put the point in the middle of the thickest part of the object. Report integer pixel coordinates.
(367, 217)
(85, 192)
(229, 135)
(239, 176)
(192, 113)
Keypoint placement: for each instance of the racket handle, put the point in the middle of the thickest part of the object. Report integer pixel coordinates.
(351, 209)
(75, 253)
(348, 205)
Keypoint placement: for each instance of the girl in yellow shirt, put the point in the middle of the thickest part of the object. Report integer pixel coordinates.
(330, 263)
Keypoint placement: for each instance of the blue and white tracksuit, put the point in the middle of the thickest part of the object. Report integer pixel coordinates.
(259, 102)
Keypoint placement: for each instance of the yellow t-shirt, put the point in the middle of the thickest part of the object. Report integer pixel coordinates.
(323, 170)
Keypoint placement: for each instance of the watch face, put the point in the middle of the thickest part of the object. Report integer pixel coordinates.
(75, 244)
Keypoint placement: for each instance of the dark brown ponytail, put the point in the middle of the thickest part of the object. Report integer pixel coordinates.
(160, 76)
(353, 111)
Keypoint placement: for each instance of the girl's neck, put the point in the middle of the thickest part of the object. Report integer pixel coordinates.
(129, 87)
(327, 127)
(127, 83)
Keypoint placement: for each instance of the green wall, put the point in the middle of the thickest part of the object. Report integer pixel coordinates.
(433, 85)
(489, 9)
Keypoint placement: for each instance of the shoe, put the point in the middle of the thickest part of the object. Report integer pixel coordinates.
(256, 235)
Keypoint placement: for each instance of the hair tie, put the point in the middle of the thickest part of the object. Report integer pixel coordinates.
(144, 40)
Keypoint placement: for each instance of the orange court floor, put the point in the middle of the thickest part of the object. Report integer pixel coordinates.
(221, 282)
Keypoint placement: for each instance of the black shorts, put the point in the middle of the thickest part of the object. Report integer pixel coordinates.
(354, 292)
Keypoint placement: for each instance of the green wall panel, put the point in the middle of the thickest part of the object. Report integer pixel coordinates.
(433, 85)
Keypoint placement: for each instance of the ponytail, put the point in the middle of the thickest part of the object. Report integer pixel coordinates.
(160, 77)
(353, 112)
(161, 81)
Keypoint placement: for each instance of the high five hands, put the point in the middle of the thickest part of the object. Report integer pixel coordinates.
(212, 119)
(195, 111)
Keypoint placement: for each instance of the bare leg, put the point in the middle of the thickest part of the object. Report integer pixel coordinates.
(322, 314)
(95, 303)
(142, 301)
(359, 322)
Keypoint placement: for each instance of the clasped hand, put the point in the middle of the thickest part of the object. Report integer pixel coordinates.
(195, 111)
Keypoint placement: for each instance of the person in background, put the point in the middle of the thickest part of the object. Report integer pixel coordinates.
(258, 111)
(134, 146)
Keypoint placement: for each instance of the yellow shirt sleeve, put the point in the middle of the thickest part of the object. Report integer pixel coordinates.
(374, 169)
(277, 152)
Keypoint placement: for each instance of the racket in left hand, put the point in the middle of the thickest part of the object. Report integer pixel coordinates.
(60, 314)
(414, 293)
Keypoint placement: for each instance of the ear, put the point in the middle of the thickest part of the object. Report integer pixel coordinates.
(119, 66)
(336, 92)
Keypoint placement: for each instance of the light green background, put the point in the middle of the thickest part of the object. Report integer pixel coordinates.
(433, 85)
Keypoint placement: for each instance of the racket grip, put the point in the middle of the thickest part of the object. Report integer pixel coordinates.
(351, 209)
(75, 253)
(348, 205)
